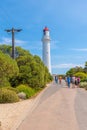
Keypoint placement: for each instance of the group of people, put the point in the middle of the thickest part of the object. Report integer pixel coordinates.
(74, 80)
(69, 80)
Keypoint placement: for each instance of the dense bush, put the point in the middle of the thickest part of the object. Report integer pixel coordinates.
(8, 69)
(25, 69)
(27, 90)
(13, 89)
(82, 75)
(4, 82)
(32, 71)
(8, 96)
(74, 70)
(83, 84)
(8, 66)
(29, 71)
(84, 80)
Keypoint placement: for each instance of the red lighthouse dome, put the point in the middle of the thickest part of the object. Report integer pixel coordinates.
(45, 29)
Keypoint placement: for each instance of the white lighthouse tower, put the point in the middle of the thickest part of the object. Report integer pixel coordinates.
(46, 48)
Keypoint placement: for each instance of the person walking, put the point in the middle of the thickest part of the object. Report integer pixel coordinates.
(68, 81)
(78, 81)
(73, 81)
(56, 79)
(60, 80)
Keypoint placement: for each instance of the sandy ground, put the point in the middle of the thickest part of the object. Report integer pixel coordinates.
(12, 114)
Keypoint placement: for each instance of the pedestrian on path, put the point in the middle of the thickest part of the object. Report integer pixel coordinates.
(56, 79)
(68, 81)
(78, 81)
(60, 80)
(73, 81)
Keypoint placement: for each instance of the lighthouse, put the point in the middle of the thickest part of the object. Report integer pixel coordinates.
(46, 48)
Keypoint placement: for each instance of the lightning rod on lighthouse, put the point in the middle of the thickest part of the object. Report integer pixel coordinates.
(46, 48)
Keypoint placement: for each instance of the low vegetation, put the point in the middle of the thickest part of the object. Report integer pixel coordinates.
(27, 90)
(83, 84)
(8, 96)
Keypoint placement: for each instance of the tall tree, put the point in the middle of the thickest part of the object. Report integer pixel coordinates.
(74, 70)
(85, 68)
(8, 68)
(32, 70)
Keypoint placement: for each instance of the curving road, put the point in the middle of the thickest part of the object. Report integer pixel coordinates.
(59, 108)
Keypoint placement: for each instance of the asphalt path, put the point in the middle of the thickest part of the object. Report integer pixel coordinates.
(81, 108)
(58, 108)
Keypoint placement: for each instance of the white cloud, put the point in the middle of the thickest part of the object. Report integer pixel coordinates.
(28, 44)
(67, 57)
(31, 45)
(70, 65)
(6, 40)
(20, 42)
(79, 49)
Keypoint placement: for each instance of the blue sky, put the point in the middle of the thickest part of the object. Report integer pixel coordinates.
(66, 20)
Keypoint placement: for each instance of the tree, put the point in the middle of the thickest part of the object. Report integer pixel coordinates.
(74, 70)
(8, 68)
(6, 49)
(85, 68)
(32, 70)
(82, 75)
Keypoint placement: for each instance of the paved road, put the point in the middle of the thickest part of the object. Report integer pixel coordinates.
(81, 108)
(59, 108)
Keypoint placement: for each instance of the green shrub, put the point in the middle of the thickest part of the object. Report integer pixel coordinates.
(82, 75)
(83, 84)
(84, 80)
(27, 90)
(4, 82)
(8, 96)
(13, 89)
